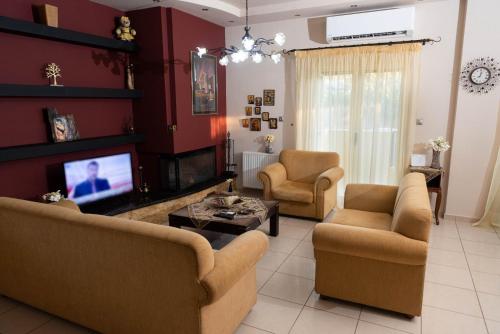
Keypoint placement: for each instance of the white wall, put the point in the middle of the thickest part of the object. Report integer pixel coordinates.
(475, 141)
(433, 19)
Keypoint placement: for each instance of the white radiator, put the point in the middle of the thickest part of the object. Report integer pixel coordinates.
(253, 162)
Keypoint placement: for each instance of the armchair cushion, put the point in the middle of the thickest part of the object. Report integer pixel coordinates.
(305, 166)
(295, 192)
(375, 220)
(370, 197)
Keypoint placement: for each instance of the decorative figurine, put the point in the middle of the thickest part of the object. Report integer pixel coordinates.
(143, 186)
(53, 71)
(130, 76)
(124, 31)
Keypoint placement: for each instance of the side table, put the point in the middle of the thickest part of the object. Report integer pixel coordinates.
(433, 180)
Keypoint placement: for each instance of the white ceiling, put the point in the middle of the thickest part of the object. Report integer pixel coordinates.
(232, 12)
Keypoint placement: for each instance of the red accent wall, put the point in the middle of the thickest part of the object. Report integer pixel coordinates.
(21, 119)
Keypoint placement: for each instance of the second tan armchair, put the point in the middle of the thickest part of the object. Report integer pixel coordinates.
(305, 183)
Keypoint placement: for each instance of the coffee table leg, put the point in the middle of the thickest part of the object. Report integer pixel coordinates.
(275, 223)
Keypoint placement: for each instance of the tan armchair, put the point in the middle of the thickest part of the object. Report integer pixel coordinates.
(305, 183)
(375, 249)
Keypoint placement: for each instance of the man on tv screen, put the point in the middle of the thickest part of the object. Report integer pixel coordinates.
(93, 184)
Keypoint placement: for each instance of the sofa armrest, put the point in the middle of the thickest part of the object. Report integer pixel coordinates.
(328, 178)
(233, 262)
(68, 204)
(374, 244)
(271, 177)
(370, 197)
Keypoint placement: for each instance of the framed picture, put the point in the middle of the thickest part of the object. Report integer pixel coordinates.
(204, 84)
(255, 124)
(269, 95)
(258, 101)
(258, 110)
(273, 123)
(251, 99)
(248, 111)
(265, 116)
(245, 122)
(61, 127)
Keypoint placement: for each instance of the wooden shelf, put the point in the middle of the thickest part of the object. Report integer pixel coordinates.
(12, 90)
(41, 150)
(28, 28)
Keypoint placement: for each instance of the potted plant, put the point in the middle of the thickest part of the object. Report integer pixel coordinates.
(268, 140)
(438, 145)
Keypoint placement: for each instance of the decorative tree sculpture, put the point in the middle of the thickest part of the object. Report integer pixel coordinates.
(53, 71)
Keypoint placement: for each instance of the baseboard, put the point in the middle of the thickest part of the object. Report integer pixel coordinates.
(461, 218)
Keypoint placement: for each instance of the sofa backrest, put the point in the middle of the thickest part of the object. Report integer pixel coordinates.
(110, 274)
(412, 212)
(306, 166)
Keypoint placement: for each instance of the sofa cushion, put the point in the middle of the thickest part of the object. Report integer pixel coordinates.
(295, 192)
(306, 166)
(374, 220)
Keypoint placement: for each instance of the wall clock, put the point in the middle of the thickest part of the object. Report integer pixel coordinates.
(480, 75)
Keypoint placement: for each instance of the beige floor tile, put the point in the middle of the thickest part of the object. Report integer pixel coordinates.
(451, 298)
(369, 328)
(299, 266)
(493, 327)
(481, 248)
(449, 244)
(7, 304)
(297, 222)
(272, 260)
(488, 283)
(305, 249)
(320, 322)
(59, 326)
(447, 258)
(483, 264)
(468, 225)
(274, 315)
(283, 244)
(390, 319)
(447, 275)
(245, 329)
(446, 229)
(479, 235)
(490, 305)
(292, 288)
(437, 321)
(293, 232)
(21, 320)
(262, 276)
(334, 306)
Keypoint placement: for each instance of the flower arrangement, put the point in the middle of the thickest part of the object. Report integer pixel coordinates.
(55, 196)
(269, 139)
(438, 144)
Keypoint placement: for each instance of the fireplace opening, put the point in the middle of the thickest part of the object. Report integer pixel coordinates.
(189, 169)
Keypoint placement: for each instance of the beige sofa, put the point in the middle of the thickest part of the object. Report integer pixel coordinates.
(374, 251)
(121, 276)
(305, 183)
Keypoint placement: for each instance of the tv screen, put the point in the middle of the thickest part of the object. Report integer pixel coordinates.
(94, 179)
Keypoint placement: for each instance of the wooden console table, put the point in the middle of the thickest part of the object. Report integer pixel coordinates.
(433, 180)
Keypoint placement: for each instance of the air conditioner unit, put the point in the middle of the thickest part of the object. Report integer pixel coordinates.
(389, 22)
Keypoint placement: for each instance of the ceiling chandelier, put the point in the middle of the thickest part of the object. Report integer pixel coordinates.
(251, 48)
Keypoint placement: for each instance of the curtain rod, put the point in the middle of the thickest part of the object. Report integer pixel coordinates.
(423, 41)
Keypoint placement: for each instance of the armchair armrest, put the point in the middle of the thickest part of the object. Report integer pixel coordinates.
(370, 197)
(271, 177)
(328, 178)
(68, 204)
(232, 262)
(374, 244)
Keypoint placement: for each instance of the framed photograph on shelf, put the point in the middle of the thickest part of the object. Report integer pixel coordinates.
(258, 110)
(255, 124)
(269, 96)
(62, 128)
(265, 116)
(248, 111)
(204, 84)
(251, 99)
(258, 101)
(273, 123)
(245, 122)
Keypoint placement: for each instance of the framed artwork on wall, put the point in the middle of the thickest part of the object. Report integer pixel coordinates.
(265, 116)
(204, 84)
(258, 101)
(273, 123)
(248, 111)
(258, 110)
(250, 99)
(255, 124)
(269, 96)
(245, 122)
(61, 127)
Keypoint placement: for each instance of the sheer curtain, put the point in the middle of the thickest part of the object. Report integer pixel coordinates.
(492, 211)
(359, 102)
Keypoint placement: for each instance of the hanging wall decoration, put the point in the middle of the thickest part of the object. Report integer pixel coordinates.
(480, 76)
(204, 84)
(269, 95)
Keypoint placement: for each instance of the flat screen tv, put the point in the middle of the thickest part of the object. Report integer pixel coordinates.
(95, 179)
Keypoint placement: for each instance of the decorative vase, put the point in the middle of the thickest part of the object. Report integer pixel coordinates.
(435, 159)
(268, 148)
(230, 188)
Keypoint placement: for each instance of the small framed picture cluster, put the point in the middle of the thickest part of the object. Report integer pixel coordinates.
(254, 108)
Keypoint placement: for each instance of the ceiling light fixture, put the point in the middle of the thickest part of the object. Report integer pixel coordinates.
(251, 47)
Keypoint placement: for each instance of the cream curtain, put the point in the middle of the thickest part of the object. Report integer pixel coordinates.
(492, 211)
(359, 102)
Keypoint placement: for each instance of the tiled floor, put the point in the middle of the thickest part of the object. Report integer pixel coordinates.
(462, 291)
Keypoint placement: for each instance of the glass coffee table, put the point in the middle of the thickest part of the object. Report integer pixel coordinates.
(236, 226)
